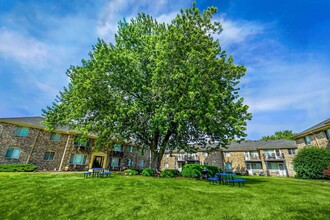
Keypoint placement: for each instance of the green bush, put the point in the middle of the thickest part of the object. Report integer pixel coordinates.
(147, 172)
(195, 170)
(212, 170)
(131, 172)
(192, 170)
(137, 170)
(310, 162)
(18, 168)
(169, 173)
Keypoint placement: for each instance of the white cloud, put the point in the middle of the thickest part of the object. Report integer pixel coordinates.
(22, 49)
(116, 10)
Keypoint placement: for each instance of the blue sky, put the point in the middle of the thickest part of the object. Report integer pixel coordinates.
(284, 45)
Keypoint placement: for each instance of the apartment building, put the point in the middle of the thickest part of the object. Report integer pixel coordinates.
(317, 135)
(25, 140)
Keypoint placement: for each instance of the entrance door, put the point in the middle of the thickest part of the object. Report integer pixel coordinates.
(98, 162)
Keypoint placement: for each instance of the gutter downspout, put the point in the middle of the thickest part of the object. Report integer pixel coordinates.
(33, 145)
(64, 152)
(317, 142)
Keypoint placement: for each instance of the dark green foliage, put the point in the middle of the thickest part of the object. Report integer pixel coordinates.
(192, 170)
(310, 162)
(286, 134)
(212, 170)
(18, 168)
(169, 173)
(131, 172)
(195, 170)
(147, 172)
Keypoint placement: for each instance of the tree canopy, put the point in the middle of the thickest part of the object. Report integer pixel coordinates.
(286, 134)
(161, 86)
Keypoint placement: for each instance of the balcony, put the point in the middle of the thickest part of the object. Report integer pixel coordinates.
(273, 157)
(251, 158)
(188, 158)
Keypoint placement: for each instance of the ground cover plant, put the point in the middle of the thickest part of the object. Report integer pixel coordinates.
(70, 196)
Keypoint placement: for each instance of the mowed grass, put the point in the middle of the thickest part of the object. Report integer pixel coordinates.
(70, 196)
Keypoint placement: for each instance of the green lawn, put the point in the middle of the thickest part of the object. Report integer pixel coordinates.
(70, 196)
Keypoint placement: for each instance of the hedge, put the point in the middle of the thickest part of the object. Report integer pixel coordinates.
(18, 168)
(195, 170)
(147, 172)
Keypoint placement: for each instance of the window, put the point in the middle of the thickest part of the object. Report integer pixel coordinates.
(206, 154)
(167, 155)
(20, 131)
(227, 154)
(79, 159)
(228, 166)
(115, 162)
(142, 163)
(327, 134)
(273, 166)
(117, 148)
(129, 163)
(49, 155)
(130, 149)
(55, 137)
(307, 140)
(256, 166)
(13, 153)
(292, 151)
(166, 165)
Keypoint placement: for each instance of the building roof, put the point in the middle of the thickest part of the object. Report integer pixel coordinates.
(260, 144)
(33, 122)
(249, 146)
(320, 126)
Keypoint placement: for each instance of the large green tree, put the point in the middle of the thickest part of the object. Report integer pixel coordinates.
(286, 134)
(161, 86)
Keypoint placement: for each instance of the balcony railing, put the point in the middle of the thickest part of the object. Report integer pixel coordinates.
(273, 156)
(187, 158)
(249, 157)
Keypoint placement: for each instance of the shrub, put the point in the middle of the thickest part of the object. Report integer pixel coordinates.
(18, 168)
(310, 162)
(212, 170)
(192, 170)
(169, 173)
(195, 170)
(148, 172)
(137, 170)
(131, 172)
(327, 172)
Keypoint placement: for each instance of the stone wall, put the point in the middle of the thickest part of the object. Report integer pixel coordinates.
(237, 161)
(8, 139)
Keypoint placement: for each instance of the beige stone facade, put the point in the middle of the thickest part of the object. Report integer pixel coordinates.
(23, 143)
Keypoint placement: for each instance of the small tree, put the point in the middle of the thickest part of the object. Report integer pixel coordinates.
(310, 162)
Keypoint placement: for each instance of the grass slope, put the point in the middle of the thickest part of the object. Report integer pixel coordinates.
(70, 196)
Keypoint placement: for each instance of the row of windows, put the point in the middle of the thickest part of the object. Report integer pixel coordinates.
(291, 151)
(115, 162)
(308, 139)
(14, 153)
